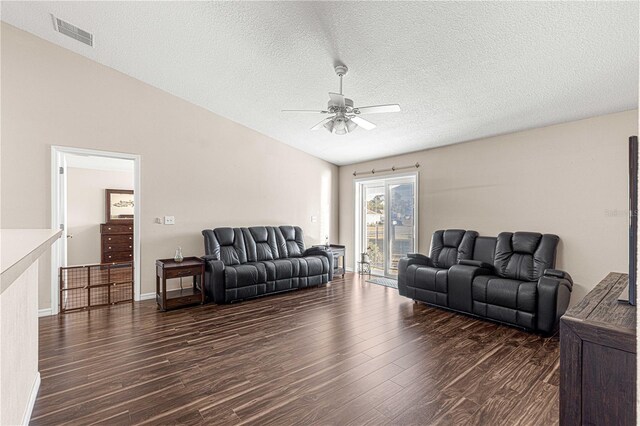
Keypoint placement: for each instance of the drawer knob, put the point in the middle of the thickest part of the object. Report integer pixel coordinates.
(129, 246)
(130, 255)
(109, 248)
(109, 238)
(109, 229)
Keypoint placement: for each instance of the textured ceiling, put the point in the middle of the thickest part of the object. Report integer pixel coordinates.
(460, 71)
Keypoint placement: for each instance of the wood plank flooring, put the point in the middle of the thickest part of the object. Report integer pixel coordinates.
(350, 353)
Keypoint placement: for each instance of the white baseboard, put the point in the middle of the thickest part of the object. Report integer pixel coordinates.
(348, 269)
(32, 399)
(147, 296)
(44, 312)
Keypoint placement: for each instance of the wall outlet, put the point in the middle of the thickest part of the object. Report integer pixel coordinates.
(314, 219)
(158, 220)
(169, 220)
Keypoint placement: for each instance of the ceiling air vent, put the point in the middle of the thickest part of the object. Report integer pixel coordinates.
(72, 31)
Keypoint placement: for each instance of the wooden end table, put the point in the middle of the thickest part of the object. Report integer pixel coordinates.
(169, 268)
(338, 251)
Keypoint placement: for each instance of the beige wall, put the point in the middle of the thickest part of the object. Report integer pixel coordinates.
(19, 348)
(85, 209)
(569, 179)
(205, 170)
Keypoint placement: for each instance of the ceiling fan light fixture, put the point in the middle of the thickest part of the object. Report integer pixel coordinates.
(329, 126)
(347, 116)
(339, 127)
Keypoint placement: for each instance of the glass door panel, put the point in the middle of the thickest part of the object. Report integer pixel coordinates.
(401, 211)
(374, 225)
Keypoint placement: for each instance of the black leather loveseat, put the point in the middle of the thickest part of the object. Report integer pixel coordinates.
(243, 263)
(509, 279)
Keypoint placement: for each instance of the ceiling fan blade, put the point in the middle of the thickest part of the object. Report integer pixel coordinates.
(306, 111)
(374, 109)
(322, 123)
(337, 99)
(365, 124)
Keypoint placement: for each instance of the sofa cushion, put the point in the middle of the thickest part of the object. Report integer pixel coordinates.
(524, 255)
(261, 243)
(451, 245)
(428, 278)
(225, 244)
(282, 269)
(513, 294)
(245, 275)
(293, 241)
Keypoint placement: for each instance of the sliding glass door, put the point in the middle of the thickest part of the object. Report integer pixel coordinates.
(386, 220)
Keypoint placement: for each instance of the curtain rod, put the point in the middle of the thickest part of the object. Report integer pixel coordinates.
(392, 169)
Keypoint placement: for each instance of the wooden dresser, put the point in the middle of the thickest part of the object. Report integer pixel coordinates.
(598, 358)
(116, 242)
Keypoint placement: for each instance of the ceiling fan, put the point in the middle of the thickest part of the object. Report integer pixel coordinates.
(345, 118)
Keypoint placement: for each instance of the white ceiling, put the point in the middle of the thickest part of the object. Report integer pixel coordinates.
(460, 71)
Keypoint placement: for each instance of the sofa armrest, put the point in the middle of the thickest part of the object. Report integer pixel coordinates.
(476, 263)
(460, 284)
(557, 273)
(403, 265)
(321, 251)
(421, 257)
(214, 283)
(554, 292)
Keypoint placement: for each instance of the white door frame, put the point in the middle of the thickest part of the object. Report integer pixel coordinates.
(359, 218)
(58, 215)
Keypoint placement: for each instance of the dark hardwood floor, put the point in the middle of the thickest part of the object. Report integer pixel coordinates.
(350, 353)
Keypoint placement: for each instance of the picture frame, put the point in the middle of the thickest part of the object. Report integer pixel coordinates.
(119, 205)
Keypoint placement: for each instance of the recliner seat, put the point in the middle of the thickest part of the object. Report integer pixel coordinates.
(243, 263)
(430, 282)
(509, 279)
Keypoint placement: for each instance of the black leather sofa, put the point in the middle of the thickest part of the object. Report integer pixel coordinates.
(509, 279)
(242, 263)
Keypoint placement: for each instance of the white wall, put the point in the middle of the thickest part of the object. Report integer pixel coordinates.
(86, 209)
(570, 179)
(205, 170)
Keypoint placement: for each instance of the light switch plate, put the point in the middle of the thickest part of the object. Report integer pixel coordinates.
(169, 220)
(314, 219)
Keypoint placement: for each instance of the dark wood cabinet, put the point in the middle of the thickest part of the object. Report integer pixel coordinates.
(116, 242)
(598, 358)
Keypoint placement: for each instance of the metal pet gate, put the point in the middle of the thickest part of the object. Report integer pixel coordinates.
(88, 286)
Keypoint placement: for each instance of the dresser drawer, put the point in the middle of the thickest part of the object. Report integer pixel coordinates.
(117, 239)
(108, 247)
(120, 256)
(116, 228)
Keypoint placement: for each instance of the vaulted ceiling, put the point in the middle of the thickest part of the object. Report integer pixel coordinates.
(459, 70)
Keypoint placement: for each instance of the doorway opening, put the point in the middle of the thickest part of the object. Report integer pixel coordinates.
(386, 220)
(83, 184)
